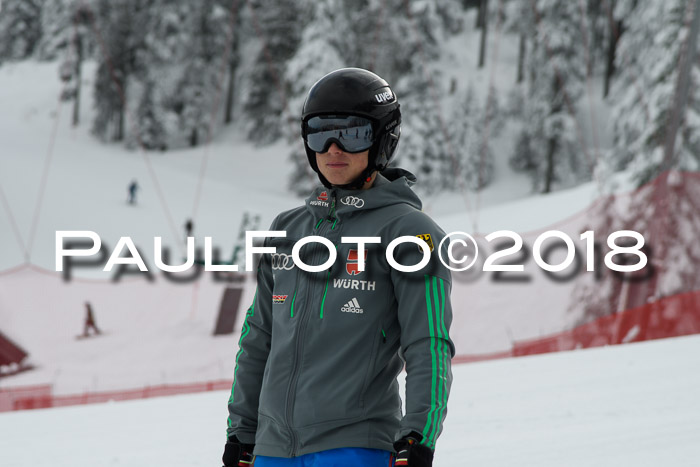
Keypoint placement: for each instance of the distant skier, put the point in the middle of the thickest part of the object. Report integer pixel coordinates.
(133, 188)
(189, 226)
(90, 321)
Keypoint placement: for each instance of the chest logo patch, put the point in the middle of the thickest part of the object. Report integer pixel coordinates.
(353, 306)
(352, 266)
(353, 201)
(281, 261)
(279, 299)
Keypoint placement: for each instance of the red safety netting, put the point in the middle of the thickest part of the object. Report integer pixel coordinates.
(41, 397)
(669, 317)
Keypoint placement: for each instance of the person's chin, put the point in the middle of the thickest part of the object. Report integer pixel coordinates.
(335, 177)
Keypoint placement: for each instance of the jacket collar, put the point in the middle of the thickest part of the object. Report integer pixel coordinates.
(392, 186)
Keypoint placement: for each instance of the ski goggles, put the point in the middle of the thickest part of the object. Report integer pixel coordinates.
(350, 132)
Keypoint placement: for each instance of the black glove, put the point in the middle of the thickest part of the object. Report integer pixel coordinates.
(410, 453)
(237, 454)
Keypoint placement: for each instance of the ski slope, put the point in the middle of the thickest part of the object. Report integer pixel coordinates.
(57, 177)
(634, 405)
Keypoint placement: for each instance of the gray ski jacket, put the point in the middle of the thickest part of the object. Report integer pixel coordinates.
(319, 353)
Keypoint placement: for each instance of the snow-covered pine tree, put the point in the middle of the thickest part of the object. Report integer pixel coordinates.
(463, 133)
(214, 30)
(169, 37)
(555, 72)
(20, 28)
(192, 96)
(150, 119)
(595, 32)
(471, 131)
(450, 12)
(488, 128)
(59, 20)
(200, 87)
(122, 25)
(383, 37)
(278, 26)
(167, 45)
(618, 13)
(519, 19)
(483, 24)
(426, 147)
(644, 94)
(236, 35)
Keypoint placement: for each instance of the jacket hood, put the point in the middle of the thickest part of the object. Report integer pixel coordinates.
(392, 186)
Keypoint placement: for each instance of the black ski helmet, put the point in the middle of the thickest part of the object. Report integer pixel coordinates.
(354, 91)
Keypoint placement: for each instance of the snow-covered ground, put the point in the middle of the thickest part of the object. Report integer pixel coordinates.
(632, 405)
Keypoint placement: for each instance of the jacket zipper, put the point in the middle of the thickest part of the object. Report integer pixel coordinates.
(331, 213)
(331, 217)
(291, 392)
(293, 383)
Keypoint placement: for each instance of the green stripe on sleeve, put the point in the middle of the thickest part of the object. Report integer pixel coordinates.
(436, 344)
(433, 382)
(445, 355)
(441, 364)
(439, 346)
(244, 333)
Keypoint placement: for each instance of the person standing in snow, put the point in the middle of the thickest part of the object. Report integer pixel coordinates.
(90, 321)
(315, 379)
(133, 187)
(189, 226)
